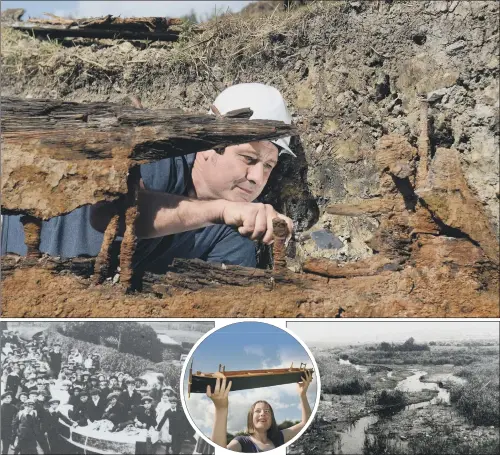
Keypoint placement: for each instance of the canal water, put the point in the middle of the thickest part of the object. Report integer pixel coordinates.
(352, 441)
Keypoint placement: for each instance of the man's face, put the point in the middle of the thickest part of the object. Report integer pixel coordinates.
(112, 382)
(23, 398)
(103, 385)
(147, 405)
(238, 175)
(7, 399)
(84, 398)
(57, 349)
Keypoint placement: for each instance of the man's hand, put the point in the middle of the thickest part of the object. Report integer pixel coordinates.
(254, 220)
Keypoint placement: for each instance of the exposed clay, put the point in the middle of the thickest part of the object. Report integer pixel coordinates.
(436, 287)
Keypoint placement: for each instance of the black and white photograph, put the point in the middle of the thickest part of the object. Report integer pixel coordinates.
(404, 387)
(104, 387)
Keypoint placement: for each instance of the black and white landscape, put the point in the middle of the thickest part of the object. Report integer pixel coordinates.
(96, 387)
(397, 388)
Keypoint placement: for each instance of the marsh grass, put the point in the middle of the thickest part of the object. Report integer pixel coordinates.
(434, 443)
(223, 49)
(341, 379)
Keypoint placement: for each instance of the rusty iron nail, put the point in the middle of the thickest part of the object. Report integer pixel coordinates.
(32, 232)
(280, 231)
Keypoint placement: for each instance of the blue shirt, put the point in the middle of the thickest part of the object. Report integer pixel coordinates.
(72, 235)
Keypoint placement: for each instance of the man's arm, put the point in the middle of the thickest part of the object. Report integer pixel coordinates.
(162, 214)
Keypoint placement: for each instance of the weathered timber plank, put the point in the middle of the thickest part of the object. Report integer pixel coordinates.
(55, 32)
(58, 156)
(196, 274)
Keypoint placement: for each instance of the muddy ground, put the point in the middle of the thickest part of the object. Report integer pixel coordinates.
(350, 72)
(37, 292)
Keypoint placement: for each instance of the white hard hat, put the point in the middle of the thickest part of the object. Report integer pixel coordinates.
(265, 101)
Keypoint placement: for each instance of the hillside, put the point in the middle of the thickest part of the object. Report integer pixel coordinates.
(351, 73)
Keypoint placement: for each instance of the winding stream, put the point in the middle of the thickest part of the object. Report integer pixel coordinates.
(352, 441)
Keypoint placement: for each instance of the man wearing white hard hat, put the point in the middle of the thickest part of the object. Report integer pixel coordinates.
(200, 205)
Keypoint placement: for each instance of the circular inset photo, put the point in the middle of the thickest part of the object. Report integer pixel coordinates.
(250, 387)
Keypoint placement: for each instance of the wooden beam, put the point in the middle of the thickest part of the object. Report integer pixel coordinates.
(58, 156)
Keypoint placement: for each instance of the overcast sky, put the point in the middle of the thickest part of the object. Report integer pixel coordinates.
(123, 8)
(352, 332)
(248, 346)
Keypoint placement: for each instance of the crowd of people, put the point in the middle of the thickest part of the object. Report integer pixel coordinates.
(40, 393)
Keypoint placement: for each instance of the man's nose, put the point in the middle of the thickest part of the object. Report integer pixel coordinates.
(256, 174)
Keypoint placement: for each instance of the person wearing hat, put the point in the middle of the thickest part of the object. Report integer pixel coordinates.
(26, 429)
(156, 389)
(114, 411)
(55, 360)
(103, 387)
(40, 404)
(50, 426)
(80, 411)
(30, 384)
(144, 416)
(13, 380)
(96, 362)
(93, 382)
(189, 205)
(74, 393)
(21, 399)
(130, 398)
(88, 361)
(7, 414)
(96, 405)
(177, 424)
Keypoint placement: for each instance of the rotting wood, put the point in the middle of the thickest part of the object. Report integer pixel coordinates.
(336, 269)
(32, 232)
(196, 274)
(129, 241)
(58, 156)
(280, 232)
(417, 204)
(101, 269)
(423, 144)
(83, 267)
(111, 27)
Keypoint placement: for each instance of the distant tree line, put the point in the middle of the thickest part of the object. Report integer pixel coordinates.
(128, 337)
(408, 346)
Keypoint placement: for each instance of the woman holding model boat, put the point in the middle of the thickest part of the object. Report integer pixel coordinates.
(262, 429)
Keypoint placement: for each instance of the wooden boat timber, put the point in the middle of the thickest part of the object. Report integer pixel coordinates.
(246, 379)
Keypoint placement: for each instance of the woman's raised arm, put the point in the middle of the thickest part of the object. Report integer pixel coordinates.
(289, 433)
(221, 402)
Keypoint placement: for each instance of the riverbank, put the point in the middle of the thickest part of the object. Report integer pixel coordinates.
(337, 413)
(433, 429)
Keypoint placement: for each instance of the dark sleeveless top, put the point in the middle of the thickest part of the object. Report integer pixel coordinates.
(248, 446)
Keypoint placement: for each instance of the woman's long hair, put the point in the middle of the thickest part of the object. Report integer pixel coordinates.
(273, 433)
